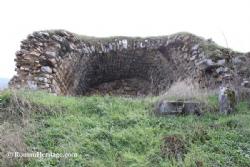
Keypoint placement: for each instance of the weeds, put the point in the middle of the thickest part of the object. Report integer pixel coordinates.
(187, 90)
(117, 131)
(173, 147)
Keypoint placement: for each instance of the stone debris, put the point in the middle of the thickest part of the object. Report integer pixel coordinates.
(164, 107)
(65, 63)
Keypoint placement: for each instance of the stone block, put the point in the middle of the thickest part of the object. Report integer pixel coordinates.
(164, 107)
(227, 100)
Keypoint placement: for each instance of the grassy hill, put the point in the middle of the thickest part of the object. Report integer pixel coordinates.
(116, 131)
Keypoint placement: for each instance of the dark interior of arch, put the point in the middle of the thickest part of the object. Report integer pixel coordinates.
(138, 72)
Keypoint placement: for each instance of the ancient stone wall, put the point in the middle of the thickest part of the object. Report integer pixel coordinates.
(65, 63)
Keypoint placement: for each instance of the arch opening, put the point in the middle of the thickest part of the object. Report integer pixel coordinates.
(137, 73)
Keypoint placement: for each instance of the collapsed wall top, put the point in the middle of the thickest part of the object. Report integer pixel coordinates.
(65, 63)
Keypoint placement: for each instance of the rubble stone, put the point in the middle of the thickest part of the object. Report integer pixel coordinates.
(75, 65)
(46, 69)
(50, 53)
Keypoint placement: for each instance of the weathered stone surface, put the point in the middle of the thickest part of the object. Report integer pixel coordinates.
(220, 70)
(79, 65)
(206, 64)
(227, 100)
(221, 62)
(51, 53)
(164, 107)
(46, 69)
(246, 84)
(32, 85)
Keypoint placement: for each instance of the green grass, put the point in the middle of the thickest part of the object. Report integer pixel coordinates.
(116, 131)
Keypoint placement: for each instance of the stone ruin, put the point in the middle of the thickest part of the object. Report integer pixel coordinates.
(64, 63)
(165, 107)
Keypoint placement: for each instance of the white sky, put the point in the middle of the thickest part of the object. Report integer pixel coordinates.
(207, 18)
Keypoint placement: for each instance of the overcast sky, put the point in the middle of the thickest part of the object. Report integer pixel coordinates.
(207, 18)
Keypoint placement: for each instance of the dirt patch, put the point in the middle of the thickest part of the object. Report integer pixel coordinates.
(173, 147)
(199, 163)
(127, 87)
(199, 134)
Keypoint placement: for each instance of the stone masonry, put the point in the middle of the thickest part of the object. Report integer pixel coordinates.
(68, 64)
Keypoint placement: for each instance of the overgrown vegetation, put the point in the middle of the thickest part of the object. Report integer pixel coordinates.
(117, 131)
